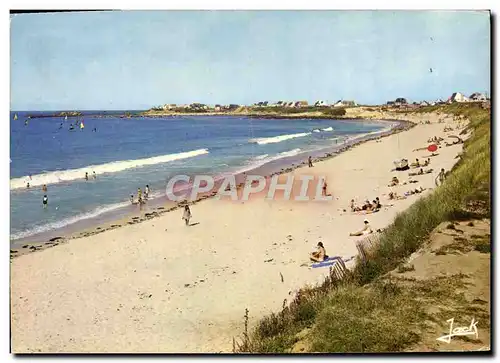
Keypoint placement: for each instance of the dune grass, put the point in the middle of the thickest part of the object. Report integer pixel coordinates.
(364, 312)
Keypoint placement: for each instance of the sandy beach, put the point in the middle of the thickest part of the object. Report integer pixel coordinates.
(159, 286)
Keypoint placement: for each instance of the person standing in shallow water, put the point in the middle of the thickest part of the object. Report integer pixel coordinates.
(310, 162)
(86, 176)
(45, 201)
(186, 215)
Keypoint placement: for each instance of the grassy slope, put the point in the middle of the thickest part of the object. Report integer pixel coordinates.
(365, 312)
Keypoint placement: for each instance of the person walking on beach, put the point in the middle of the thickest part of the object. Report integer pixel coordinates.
(186, 215)
(94, 175)
(45, 201)
(146, 192)
(441, 177)
(310, 162)
(325, 185)
(86, 176)
(131, 199)
(44, 188)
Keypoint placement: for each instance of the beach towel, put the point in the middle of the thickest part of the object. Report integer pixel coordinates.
(330, 261)
(367, 212)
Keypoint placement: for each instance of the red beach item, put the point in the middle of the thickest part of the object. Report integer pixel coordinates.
(432, 147)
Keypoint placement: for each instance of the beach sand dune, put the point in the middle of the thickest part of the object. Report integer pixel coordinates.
(160, 286)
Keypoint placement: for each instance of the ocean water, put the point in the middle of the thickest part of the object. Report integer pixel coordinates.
(128, 153)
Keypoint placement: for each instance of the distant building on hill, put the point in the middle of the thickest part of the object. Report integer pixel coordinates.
(299, 104)
(319, 103)
(400, 101)
(169, 106)
(457, 97)
(197, 106)
(344, 103)
(477, 97)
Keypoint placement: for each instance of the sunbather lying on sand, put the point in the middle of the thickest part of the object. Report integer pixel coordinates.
(353, 207)
(394, 195)
(421, 172)
(416, 164)
(367, 206)
(416, 191)
(458, 141)
(394, 181)
(320, 254)
(366, 229)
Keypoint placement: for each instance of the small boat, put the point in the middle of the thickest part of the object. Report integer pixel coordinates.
(81, 125)
(15, 116)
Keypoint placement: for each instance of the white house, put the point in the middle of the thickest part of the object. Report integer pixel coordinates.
(169, 106)
(458, 97)
(343, 103)
(320, 103)
(477, 97)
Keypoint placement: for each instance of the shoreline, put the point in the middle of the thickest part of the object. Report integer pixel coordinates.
(156, 286)
(159, 205)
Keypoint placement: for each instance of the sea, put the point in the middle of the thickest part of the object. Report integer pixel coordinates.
(130, 153)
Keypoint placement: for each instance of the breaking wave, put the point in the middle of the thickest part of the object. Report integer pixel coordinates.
(260, 157)
(60, 176)
(272, 140)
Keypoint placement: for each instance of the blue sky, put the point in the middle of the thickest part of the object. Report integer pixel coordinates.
(138, 59)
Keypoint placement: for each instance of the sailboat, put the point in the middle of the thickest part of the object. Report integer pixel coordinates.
(66, 118)
(15, 116)
(81, 125)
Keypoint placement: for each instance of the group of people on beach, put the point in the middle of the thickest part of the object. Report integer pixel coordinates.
(417, 163)
(435, 139)
(375, 205)
(140, 199)
(368, 206)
